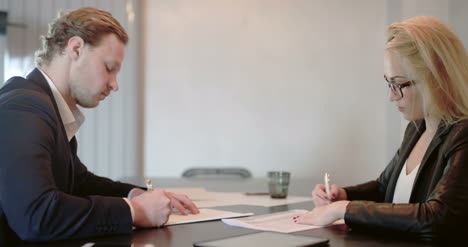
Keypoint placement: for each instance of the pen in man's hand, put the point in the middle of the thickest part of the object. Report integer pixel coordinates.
(149, 185)
(327, 186)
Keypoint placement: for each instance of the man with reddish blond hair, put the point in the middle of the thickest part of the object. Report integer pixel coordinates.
(46, 193)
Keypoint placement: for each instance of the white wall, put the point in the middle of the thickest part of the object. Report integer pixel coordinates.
(458, 18)
(293, 85)
(290, 85)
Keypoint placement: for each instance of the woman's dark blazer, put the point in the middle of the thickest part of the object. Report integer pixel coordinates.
(438, 206)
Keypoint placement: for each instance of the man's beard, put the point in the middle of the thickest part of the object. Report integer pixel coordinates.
(83, 96)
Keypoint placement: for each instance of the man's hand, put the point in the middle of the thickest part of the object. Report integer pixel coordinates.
(135, 192)
(182, 202)
(154, 207)
(151, 208)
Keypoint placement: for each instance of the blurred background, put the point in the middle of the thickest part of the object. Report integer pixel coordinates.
(262, 84)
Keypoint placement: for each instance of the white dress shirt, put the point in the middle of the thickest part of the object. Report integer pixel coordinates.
(72, 118)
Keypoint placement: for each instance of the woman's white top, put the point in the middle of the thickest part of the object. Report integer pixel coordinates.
(404, 185)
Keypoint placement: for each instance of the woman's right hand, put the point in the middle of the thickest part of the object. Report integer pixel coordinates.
(320, 198)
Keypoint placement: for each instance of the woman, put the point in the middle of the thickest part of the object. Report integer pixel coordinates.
(424, 189)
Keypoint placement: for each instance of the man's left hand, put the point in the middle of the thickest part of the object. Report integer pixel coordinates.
(182, 203)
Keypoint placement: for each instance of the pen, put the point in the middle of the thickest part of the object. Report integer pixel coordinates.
(327, 186)
(257, 193)
(149, 185)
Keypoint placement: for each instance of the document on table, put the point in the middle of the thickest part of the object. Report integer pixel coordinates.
(206, 199)
(276, 222)
(236, 198)
(194, 193)
(205, 214)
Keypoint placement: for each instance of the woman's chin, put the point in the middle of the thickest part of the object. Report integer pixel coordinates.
(408, 117)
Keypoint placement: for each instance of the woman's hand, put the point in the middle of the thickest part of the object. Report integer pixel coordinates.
(320, 198)
(325, 215)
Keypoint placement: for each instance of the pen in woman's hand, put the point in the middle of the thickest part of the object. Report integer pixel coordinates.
(327, 186)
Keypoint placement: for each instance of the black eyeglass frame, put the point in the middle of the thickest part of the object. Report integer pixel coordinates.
(397, 88)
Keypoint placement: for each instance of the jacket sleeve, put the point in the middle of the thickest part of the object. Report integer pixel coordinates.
(34, 207)
(443, 214)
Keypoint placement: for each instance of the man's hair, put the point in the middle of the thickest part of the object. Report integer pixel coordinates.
(88, 23)
(436, 59)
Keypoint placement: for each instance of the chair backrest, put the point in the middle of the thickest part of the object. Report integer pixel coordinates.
(217, 172)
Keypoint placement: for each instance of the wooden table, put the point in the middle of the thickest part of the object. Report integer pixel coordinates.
(186, 235)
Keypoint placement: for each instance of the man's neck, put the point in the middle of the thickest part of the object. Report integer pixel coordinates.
(58, 71)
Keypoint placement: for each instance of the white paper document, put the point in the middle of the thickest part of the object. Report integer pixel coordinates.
(194, 193)
(236, 198)
(207, 199)
(205, 214)
(276, 222)
(267, 201)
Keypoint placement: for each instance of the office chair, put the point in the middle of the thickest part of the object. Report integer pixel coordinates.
(217, 172)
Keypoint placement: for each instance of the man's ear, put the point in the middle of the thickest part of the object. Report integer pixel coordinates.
(75, 47)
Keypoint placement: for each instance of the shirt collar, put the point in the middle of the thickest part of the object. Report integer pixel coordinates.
(72, 118)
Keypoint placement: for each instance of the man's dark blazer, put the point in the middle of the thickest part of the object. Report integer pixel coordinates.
(46, 193)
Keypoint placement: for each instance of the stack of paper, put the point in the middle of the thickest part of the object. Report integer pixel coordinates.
(206, 199)
(204, 215)
(235, 198)
(195, 193)
(276, 222)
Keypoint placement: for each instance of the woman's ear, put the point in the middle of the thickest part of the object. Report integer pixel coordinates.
(75, 47)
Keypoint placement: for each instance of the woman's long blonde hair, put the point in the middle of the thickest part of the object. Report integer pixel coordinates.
(438, 62)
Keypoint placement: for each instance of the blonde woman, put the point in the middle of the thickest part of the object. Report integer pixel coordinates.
(423, 191)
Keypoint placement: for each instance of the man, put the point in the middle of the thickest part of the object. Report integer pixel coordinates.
(46, 193)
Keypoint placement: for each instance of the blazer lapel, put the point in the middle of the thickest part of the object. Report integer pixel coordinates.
(37, 77)
(405, 151)
(433, 147)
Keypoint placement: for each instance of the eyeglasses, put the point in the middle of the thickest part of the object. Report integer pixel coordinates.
(397, 88)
